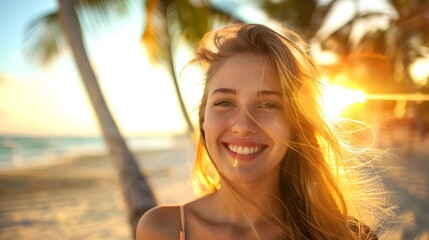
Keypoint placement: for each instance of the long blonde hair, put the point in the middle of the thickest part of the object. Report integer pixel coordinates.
(320, 180)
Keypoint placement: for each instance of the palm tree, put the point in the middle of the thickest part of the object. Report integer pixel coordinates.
(381, 57)
(410, 40)
(136, 191)
(303, 16)
(168, 21)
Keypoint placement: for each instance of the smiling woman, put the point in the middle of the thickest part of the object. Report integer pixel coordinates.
(268, 164)
(245, 108)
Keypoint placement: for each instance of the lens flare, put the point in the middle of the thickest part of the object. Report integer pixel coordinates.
(336, 98)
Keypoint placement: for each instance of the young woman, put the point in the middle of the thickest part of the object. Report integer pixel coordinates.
(267, 164)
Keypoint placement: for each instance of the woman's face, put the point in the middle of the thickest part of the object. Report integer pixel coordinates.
(245, 129)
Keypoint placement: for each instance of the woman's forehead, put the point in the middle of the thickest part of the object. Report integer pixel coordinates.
(245, 69)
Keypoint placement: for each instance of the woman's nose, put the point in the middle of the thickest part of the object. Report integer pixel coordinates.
(244, 123)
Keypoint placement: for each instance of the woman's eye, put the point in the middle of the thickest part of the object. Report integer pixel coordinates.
(223, 103)
(269, 105)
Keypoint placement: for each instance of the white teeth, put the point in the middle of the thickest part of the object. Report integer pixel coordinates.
(246, 151)
(243, 150)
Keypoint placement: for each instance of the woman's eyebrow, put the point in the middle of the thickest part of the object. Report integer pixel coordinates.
(259, 93)
(225, 90)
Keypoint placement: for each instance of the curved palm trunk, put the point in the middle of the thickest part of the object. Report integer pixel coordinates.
(135, 188)
(170, 60)
(177, 87)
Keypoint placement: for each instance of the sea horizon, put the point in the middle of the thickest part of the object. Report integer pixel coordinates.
(18, 150)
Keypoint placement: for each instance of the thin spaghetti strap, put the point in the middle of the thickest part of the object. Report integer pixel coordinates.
(182, 222)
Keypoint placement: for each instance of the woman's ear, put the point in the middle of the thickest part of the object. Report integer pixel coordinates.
(202, 124)
(202, 129)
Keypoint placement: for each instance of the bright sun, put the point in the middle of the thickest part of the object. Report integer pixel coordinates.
(336, 98)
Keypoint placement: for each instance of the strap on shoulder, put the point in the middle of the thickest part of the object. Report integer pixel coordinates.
(182, 222)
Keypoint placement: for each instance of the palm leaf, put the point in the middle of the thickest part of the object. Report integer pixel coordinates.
(169, 21)
(155, 37)
(94, 14)
(195, 20)
(44, 39)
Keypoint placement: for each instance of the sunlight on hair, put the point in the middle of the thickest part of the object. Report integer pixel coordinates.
(336, 98)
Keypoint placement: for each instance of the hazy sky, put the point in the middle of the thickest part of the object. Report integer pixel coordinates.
(50, 99)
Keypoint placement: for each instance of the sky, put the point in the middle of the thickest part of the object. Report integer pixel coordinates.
(50, 100)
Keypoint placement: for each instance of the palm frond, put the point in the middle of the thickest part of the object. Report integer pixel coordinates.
(195, 20)
(296, 13)
(170, 21)
(94, 14)
(43, 38)
(105, 6)
(155, 37)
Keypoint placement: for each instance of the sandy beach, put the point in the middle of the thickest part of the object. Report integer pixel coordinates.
(79, 198)
(405, 177)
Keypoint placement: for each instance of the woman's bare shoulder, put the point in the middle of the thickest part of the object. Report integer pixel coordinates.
(159, 223)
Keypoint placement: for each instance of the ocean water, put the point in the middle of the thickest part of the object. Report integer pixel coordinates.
(18, 151)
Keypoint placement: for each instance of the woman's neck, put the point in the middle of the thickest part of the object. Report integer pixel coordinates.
(254, 202)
